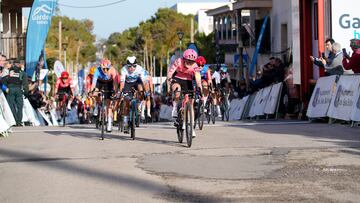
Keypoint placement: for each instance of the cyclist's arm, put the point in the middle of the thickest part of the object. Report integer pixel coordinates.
(122, 78)
(208, 76)
(172, 69)
(114, 75)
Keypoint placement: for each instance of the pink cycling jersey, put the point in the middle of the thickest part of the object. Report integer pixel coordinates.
(182, 72)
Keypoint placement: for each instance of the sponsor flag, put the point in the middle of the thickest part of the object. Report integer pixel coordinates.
(38, 27)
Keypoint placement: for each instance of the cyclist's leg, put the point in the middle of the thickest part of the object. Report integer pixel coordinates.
(205, 88)
(175, 86)
(145, 101)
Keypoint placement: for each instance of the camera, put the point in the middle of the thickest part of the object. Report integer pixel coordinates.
(323, 55)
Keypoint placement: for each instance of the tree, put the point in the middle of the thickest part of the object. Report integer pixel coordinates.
(78, 33)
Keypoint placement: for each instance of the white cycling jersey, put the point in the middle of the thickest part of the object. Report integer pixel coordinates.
(219, 77)
(126, 76)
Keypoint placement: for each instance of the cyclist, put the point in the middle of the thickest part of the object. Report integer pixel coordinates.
(149, 89)
(132, 76)
(105, 79)
(222, 80)
(181, 76)
(88, 82)
(206, 80)
(64, 84)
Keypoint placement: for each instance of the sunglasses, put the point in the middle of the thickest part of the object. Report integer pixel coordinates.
(189, 62)
(105, 69)
(131, 65)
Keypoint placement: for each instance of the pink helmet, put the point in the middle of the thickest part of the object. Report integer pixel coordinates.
(190, 54)
(104, 63)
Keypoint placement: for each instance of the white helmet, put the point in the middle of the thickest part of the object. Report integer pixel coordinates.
(131, 60)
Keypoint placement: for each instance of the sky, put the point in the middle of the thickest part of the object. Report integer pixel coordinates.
(118, 17)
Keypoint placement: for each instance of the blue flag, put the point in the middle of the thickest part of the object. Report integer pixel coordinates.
(256, 52)
(38, 27)
(81, 78)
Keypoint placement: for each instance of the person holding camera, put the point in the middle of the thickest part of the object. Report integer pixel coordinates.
(353, 62)
(329, 47)
(16, 87)
(335, 67)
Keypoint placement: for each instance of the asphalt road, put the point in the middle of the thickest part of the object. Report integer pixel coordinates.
(270, 161)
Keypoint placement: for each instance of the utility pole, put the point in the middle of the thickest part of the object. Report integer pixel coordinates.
(60, 31)
(240, 48)
(192, 31)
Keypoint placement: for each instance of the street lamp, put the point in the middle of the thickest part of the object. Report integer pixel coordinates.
(180, 34)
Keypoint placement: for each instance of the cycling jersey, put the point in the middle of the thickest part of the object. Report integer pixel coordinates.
(219, 77)
(100, 76)
(138, 73)
(64, 87)
(182, 72)
(205, 73)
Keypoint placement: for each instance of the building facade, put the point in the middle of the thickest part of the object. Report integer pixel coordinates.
(297, 30)
(12, 42)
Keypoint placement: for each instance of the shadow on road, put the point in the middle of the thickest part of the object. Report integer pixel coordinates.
(114, 135)
(60, 164)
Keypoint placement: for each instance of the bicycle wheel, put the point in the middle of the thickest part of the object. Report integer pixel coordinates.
(202, 117)
(179, 130)
(64, 113)
(102, 122)
(120, 118)
(133, 119)
(208, 112)
(188, 124)
(213, 113)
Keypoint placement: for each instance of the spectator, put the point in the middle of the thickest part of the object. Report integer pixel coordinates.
(17, 87)
(279, 70)
(335, 67)
(329, 46)
(36, 99)
(354, 61)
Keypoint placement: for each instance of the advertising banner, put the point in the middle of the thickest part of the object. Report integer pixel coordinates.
(344, 97)
(345, 21)
(321, 97)
(355, 113)
(273, 99)
(38, 27)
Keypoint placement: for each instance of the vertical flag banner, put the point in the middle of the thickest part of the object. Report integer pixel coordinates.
(258, 44)
(38, 27)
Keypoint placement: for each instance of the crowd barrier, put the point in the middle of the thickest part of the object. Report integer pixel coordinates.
(261, 103)
(36, 117)
(336, 97)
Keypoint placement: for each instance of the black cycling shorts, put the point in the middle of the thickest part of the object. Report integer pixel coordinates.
(130, 85)
(106, 86)
(186, 85)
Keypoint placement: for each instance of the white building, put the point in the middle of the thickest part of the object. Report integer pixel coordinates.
(205, 22)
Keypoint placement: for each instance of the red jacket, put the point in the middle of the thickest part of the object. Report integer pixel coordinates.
(354, 62)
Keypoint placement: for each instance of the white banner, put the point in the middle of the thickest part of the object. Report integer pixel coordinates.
(261, 103)
(273, 99)
(29, 114)
(7, 114)
(252, 112)
(165, 112)
(355, 113)
(321, 97)
(235, 109)
(344, 98)
(58, 68)
(45, 117)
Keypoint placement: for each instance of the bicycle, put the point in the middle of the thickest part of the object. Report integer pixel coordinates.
(184, 116)
(100, 121)
(134, 116)
(211, 112)
(63, 100)
(199, 111)
(225, 109)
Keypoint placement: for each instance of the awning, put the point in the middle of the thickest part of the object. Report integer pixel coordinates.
(220, 10)
(252, 4)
